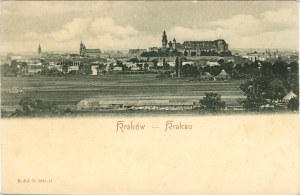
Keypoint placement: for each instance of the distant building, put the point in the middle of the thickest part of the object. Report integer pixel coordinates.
(206, 76)
(223, 75)
(74, 66)
(117, 68)
(195, 48)
(83, 51)
(11, 56)
(154, 49)
(34, 69)
(188, 62)
(39, 50)
(136, 52)
(94, 70)
(134, 68)
(289, 96)
(252, 56)
(164, 40)
(92, 52)
(209, 63)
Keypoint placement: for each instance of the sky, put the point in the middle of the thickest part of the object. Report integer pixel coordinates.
(60, 26)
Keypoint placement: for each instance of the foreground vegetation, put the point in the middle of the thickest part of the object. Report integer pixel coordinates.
(261, 89)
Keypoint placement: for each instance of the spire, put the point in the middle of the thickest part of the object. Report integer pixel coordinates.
(39, 49)
(174, 43)
(164, 40)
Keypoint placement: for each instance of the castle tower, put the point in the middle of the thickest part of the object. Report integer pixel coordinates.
(174, 44)
(164, 40)
(39, 50)
(82, 49)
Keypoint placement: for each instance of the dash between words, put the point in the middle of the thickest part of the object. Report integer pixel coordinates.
(136, 126)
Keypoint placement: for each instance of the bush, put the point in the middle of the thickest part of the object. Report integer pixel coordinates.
(35, 107)
(212, 102)
(293, 104)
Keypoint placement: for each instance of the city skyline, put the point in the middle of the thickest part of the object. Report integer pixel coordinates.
(60, 26)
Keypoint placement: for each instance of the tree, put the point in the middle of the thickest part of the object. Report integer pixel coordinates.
(269, 82)
(253, 103)
(26, 105)
(255, 91)
(14, 67)
(275, 90)
(189, 71)
(280, 70)
(146, 66)
(252, 69)
(177, 66)
(166, 66)
(24, 65)
(293, 104)
(134, 60)
(33, 107)
(221, 62)
(176, 53)
(155, 61)
(228, 67)
(5, 69)
(215, 70)
(293, 77)
(212, 102)
(140, 66)
(185, 53)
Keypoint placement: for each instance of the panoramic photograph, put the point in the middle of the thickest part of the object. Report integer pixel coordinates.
(148, 58)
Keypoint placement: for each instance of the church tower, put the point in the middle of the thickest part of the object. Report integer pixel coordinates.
(164, 40)
(82, 49)
(39, 50)
(174, 44)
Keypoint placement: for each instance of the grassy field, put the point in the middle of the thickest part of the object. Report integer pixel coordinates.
(67, 91)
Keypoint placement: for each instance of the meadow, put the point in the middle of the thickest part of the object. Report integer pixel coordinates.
(67, 91)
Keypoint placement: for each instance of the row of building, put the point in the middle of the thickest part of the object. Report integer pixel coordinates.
(196, 47)
(155, 104)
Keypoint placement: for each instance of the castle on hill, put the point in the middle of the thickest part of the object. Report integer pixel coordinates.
(194, 48)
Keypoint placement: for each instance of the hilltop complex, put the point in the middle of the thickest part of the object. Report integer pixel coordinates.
(193, 48)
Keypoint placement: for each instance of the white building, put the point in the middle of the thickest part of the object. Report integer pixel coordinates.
(212, 63)
(94, 70)
(117, 68)
(189, 62)
(73, 67)
(34, 69)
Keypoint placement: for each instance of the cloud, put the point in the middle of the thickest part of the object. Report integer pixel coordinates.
(73, 30)
(276, 28)
(103, 26)
(42, 8)
(282, 19)
(268, 30)
(83, 28)
(243, 24)
(186, 33)
(103, 33)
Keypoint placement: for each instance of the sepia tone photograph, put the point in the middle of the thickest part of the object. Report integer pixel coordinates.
(149, 97)
(148, 58)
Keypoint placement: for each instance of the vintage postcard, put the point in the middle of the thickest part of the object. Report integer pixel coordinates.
(149, 97)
